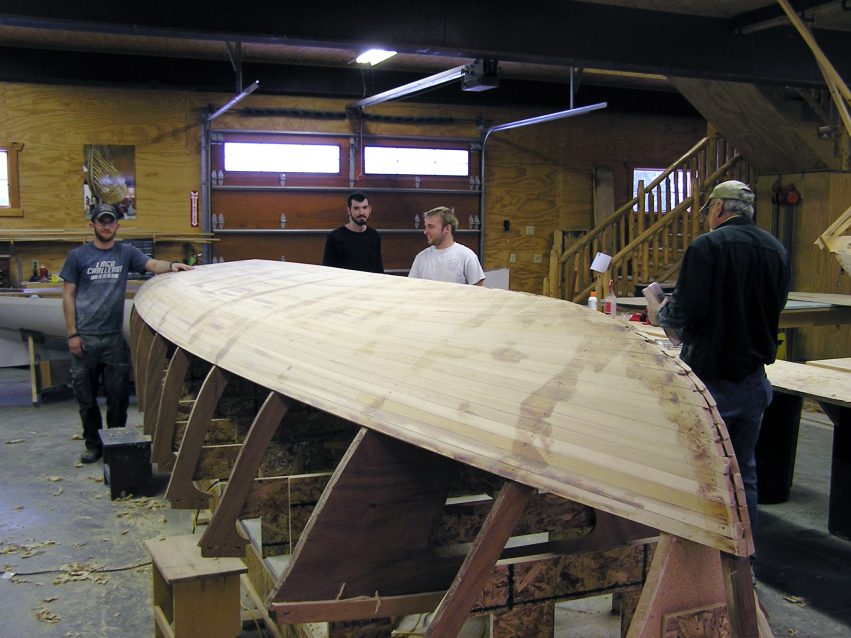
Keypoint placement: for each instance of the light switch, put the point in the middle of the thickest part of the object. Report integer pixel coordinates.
(530, 230)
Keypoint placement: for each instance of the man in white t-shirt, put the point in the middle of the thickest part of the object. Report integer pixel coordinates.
(445, 260)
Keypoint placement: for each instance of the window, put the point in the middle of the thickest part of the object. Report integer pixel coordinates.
(388, 160)
(10, 200)
(282, 158)
(679, 184)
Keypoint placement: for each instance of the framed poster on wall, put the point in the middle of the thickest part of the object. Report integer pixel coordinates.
(109, 176)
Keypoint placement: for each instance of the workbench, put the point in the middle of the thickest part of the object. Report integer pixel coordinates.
(825, 381)
(803, 310)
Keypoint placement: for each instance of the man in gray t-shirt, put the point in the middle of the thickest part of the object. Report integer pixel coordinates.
(95, 277)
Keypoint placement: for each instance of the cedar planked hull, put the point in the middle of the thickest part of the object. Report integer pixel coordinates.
(537, 390)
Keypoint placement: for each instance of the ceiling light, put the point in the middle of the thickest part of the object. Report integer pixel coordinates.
(374, 56)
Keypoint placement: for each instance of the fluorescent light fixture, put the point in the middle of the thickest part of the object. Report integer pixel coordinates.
(374, 56)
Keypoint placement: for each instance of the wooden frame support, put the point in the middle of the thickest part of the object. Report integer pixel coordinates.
(163, 434)
(369, 538)
(221, 538)
(181, 492)
(687, 579)
(154, 383)
(140, 352)
(478, 565)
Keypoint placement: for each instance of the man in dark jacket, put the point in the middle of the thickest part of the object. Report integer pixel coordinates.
(726, 307)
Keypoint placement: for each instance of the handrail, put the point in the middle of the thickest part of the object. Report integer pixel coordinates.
(631, 203)
(648, 235)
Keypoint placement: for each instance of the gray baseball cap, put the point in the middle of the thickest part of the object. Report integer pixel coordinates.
(732, 189)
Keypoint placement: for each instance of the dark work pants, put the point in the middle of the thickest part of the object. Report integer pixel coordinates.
(741, 405)
(106, 360)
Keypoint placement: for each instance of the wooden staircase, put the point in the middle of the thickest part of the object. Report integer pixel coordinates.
(648, 235)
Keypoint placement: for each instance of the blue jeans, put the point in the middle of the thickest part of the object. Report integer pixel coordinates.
(741, 405)
(105, 361)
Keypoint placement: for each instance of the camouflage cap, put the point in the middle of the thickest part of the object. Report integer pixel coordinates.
(732, 189)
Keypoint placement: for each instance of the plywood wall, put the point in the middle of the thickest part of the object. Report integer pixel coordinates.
(539, 177)
(543, 177)
(54, 124)
(824, 196)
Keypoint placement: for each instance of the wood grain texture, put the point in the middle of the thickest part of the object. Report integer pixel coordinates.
(533, 389)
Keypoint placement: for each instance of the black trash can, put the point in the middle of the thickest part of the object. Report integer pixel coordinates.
(776, 447)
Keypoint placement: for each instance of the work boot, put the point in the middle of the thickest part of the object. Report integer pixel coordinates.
(91, 455)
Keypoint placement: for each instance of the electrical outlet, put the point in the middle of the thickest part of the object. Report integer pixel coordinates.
(512, 258)
(530, 230)
(538, 259)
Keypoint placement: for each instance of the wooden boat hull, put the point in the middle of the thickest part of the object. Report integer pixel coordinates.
(540, 391)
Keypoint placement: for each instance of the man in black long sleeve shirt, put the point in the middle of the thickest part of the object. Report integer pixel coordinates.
(355, 246)
(726, 307)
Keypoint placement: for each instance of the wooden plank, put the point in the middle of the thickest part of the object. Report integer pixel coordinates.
(833, 299)
(501, 521)
(741, 598)
(221, 538)
(181, 492)
(352, 608)
(178, 559)
(810, 382)
(840, 365)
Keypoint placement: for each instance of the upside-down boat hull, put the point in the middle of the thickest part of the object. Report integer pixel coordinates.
(537, 390)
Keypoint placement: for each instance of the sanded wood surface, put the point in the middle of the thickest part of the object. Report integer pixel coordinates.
(811, 382)
(534, 389)
(841, 365)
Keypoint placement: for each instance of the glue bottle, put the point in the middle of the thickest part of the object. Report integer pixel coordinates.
(592, 301)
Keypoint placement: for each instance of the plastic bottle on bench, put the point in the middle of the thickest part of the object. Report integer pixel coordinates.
(592, 301)
(611, 303)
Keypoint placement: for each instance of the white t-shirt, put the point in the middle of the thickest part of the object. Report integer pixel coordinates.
(457, 264)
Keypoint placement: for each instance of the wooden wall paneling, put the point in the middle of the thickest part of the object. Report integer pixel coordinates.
(398, 253)
(215, 462)
(221, 538)
(604, 194)
(315, 209)
(55, 122)
(824, 196)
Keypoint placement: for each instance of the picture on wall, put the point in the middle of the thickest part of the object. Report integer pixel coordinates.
(109, 176)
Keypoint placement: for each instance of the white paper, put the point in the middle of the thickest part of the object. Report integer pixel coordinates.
(601, 262)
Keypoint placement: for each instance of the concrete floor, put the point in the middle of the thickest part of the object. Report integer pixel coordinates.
(55, 512)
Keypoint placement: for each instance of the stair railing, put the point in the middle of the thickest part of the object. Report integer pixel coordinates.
(648, 235)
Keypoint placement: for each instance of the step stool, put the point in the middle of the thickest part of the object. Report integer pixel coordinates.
(126, 460)
(194, 596)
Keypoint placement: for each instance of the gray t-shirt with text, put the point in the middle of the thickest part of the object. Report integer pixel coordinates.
(101, 278)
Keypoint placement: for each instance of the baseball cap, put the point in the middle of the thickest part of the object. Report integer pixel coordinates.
(732, 189)
(104, 210)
